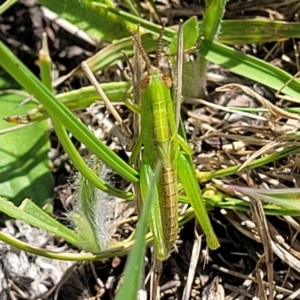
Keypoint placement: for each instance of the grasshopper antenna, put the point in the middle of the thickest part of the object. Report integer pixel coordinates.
(142, 50)
(159, 47)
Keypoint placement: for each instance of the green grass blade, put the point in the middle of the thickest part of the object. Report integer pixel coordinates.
(82, 167)
(212, 17)
(6, 5)
(207, 176)
(135, 261)
(151, 27)
(75, 100)
(213, 13)
(24, 77)
(251, 31)
(95, 21)
(91, 178)
(155, 221)
(289, 198)
(250, 67)
(45, 63)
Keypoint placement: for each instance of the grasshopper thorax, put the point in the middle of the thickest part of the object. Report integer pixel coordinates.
(155, 72)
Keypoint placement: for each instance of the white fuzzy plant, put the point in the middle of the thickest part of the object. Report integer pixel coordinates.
(93, 211)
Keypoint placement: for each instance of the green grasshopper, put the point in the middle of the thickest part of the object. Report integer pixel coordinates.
(161, 141)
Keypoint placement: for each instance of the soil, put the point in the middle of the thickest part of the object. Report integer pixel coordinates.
(232, 271)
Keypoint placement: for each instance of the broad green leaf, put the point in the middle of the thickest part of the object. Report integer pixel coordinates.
(24, 163)
(35, 216)
(190, 35)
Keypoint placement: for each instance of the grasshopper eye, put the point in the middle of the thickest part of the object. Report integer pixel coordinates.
(167, 80)
(145, 82)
